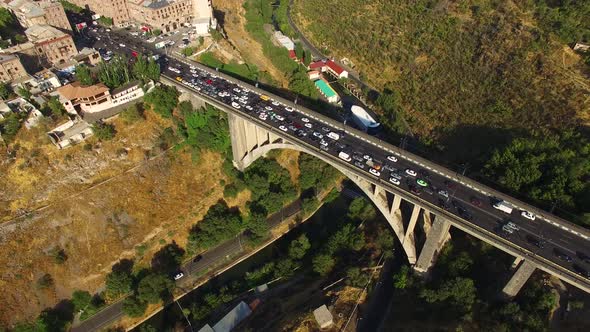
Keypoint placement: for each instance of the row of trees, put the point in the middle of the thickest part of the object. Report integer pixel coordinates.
(118, 72)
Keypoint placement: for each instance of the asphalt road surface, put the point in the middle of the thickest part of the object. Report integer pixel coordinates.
(550, 238)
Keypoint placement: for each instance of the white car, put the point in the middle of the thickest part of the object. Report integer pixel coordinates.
(276, 103)
(236, 105)
(193, 67)
(263, 116)
(280, 118)
(306, 120)
(289, 109)
(283, 128)
(308, 125)
(268, 108)
(318, 135)
(249, 108)
(323, 143)
(367, 157)
(528, 215)
(392, 158)
(394, 181)
(443, 193)
(374, 171)
(122, 45)
(178, 275)
(411, 172)
(237, 90)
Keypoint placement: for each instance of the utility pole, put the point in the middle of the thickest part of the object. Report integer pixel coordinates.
(187, 320)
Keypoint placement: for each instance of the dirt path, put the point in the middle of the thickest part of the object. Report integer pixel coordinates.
(233, 23)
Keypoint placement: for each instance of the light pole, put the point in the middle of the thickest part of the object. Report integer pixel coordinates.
(187, 320)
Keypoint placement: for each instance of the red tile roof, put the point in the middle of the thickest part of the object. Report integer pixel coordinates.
(336, 68)
(317, 65)
(292, 54)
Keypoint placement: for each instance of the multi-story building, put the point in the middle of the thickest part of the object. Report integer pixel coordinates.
(30, 13)
(166, 15)
(83, 100)
(115, 9)
(51, 44)
(11, 68)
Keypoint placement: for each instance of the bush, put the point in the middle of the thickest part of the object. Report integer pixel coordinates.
(118, 283)
(323, 264)
(187, 51)
(356, 277)
(45, 281)
(104, 131)
(154, 288)
(219, 224)
(132, 114)
(134, 307)
(163, 100)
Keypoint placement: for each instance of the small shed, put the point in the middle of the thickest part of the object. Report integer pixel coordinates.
(323, 316)
(233, 318)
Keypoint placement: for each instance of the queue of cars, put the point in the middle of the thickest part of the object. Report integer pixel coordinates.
(318, 133)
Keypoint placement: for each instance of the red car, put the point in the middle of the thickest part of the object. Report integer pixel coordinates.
(475, 201)
(134, 54)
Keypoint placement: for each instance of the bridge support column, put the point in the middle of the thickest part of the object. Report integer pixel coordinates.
(239, 140)
(519, 278)
(434, 241)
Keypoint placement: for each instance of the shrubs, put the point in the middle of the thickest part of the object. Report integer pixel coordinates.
(104, 131)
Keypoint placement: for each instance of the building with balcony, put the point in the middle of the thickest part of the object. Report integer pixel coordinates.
(11, 68)
(96, 99)
(52, 45)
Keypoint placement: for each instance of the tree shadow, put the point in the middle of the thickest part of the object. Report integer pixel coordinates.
(123, 266)
(168, 258)
(58, 317)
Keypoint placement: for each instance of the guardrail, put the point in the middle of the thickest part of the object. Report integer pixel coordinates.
(468, 227)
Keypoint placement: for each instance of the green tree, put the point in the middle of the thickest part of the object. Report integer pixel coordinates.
(404, 278)
(84, 75)
(323, 264)
(187, 51)
(299, 247)
(299, 50)
(5, 90)
(10, 126)
(106, 21)
(389, 101)
(118, 283)
(104, 131)
(218, 225)
(37, 326)
(115, 72)
(154, 288)
(146, 69)
(163, 100)
(132, 114)
(25, 93)
(134, 307)
(361, 209)
(56, 106)
(356, 277)
(81, 300)
(285, 268)
(459, 292)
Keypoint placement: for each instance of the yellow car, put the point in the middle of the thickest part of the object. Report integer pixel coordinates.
(179, 79)
(265, 97)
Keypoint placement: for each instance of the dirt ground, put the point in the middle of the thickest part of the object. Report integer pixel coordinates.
(233, 23)
(133, 215)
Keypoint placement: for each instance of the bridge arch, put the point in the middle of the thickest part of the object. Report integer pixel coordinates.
(387, 203)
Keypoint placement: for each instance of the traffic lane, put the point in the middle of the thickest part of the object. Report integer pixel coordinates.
(213, 256)
(307, 140)
(101, 319)
(493, 217)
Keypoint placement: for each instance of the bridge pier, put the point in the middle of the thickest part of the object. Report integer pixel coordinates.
(519, 278)
(435, 239)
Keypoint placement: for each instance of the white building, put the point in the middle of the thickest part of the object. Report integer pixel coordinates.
(323, 316)
(284, 40)
(203, 19)
(70, 133)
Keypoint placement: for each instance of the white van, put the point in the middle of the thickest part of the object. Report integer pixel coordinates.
(344, 156)
(503, 206)
(333, 135)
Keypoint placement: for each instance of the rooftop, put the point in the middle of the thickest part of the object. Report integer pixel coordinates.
(76, 90)
(156, 4)
(124, 87)
(28, 8)
(6, 57)
(42, 32)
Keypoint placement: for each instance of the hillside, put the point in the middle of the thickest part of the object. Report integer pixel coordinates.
(470, 77)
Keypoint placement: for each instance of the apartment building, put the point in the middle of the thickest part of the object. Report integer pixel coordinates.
(166, 15)
(115, 9)
(51, 44)
(43, 12)
(84, 100)
(11, 68)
